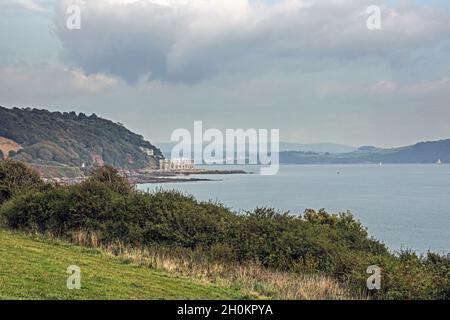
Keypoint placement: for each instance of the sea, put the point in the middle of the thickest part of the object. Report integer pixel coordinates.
(404, 206)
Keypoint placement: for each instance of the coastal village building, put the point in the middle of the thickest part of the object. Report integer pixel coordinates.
(176, 165)
(147, 151)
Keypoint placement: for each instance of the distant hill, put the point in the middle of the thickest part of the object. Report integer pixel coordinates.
(423, 152)
(166, 147)
(316, 147)
(67, 138)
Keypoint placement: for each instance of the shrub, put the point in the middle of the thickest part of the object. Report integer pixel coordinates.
(110, 177)
(16, 177)
(39, 211)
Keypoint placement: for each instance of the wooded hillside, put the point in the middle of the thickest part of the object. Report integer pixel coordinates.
(72, 139)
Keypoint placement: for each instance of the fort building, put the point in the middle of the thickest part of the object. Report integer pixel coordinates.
(176, 165)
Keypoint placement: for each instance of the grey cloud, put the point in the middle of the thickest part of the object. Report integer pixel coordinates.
(33, 5)
(191, 41)
(49, 83)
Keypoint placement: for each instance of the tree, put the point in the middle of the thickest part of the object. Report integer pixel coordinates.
(110, 176)
(16, 177)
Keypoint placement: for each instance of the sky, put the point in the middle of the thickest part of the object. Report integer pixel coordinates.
(310, 68)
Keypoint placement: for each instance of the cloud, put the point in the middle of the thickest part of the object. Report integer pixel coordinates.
(383, 87)
(345, 114)
(29, 4)
(190, 41)
(51, 82)
(423, 87)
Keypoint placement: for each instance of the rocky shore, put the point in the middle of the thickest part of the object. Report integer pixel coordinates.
(151, 176)
(158, 176)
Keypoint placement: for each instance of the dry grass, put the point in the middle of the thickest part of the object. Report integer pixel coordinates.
(251, 278)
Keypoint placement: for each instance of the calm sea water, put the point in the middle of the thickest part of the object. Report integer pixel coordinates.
(405, 206)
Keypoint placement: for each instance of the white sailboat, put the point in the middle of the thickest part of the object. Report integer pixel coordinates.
(439, 161)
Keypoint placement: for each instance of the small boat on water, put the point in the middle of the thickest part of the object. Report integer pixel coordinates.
(439, 161)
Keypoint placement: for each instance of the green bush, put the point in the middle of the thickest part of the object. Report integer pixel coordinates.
(317, 242)
(16, 177)
(110, 177)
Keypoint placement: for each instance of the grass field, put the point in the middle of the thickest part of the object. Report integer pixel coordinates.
(35, 268)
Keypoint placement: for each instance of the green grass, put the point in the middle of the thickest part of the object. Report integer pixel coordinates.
(35, 268)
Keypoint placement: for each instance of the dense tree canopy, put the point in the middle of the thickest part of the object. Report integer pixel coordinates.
(16, 177)
(73, 139)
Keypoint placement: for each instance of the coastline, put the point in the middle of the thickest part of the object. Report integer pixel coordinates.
(143, 176)
(177, 176)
